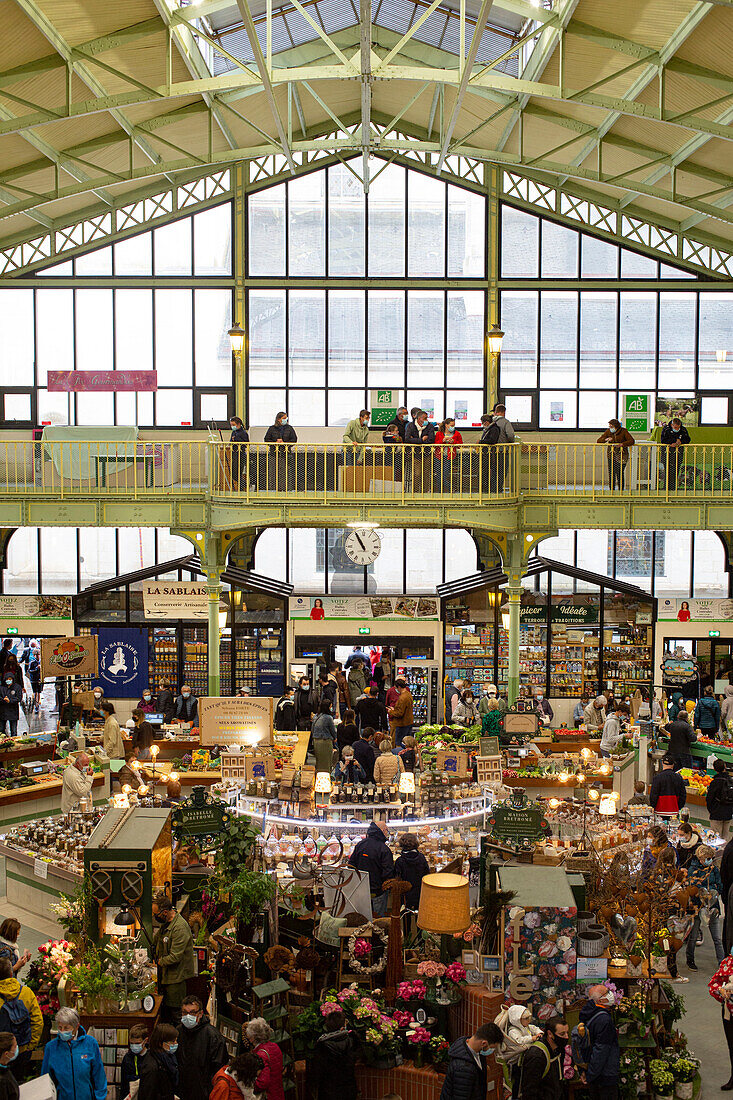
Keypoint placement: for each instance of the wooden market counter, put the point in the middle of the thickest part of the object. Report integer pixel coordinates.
(30, 752)
(35, 885)
(43, 799)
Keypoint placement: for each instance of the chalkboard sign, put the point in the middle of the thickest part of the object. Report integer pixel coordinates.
(488, 746)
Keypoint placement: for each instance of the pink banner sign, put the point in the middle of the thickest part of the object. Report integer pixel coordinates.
(102, 381)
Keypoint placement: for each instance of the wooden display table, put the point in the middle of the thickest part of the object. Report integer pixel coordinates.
(43, 799)
(29, 752)
(121, 1019)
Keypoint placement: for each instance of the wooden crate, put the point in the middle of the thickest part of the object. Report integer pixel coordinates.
(233, 765)
(488, 769)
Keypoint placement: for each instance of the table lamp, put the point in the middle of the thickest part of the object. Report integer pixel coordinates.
(444, 904)
(407, 783)
(323, 785)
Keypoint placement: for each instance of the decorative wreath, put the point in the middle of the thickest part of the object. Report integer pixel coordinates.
(357, 965)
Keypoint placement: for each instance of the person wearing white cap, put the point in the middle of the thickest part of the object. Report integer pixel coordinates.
(490, 700)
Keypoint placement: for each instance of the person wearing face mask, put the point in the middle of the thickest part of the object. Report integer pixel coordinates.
(202, 1051)
(603, 1067)
(239, 464)
(466, 1076)
(619, 441)
(173, 952)
(674, 438)
(132, 1062)
(419, 433)
(73, 1060)
(542, 1064)
(142, 736)
(11, 695)
(186, 706)
(27, 1026)
(76, 783)
(400, 422)
(542, 708)
(280, 433)
(306, 704)
(9, 1049)
(146, 703)
(445, 456)
(355, 436)
(705, 876)
(466, 712)
(159, 1077)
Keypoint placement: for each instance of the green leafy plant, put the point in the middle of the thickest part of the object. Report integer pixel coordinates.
(250, 892)
(236, 846)
(662, 1077)
(675, 1009)
(93, 979)
(684, 1069)
(71, 911)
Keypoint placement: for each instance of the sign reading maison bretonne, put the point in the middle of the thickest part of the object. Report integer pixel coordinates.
(175, 600)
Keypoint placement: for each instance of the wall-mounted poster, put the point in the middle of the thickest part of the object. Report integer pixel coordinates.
(557, 410)
(175, 600)
(395, 608)
(686, 408)
(694, 611)
(123, 661)
(226, 720)
(69, 656)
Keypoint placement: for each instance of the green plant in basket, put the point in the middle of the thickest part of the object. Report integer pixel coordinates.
(662, 1077)
(93, 979)
(685, 1069)
(250, 892)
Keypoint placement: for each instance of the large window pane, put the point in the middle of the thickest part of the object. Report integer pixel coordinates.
(134, 256)
(266, 337)
(710, 577)
(97, 555)
(58, 560)
(306, 225)
(173, 338)
(432, 401)
(94, 330)
(347, 215)
(559, 334)
(346, 338)
(466, 327)
(21, 575)
(596, 408)
(461, 557)
(134, 329)
(95, 408)
(306, 337)
(16, 339)
(425, 338)
(174, 408)
(386, 204)
(425, 226)
(53, 408)
(637, 342)
(212, 241)
(55, 327)
(137, 548)
(673, 554)
(466, 232)
(307, 407)
(424, 560)
(465, 406)
(307, 566)
(386, 347)
(677, 340)
(519, 349)
(559, 251)
(172, 248)
(388, 573)
(264, 406)
(270, 554)
(598, 259)
(267, 231)
(636, 266)
(344, 405)
(598, 340)
(558, 409)
(520, 237)
(716, 341)
(98, 262)
(212, 321)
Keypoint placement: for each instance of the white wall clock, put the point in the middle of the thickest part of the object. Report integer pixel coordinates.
(362, 546)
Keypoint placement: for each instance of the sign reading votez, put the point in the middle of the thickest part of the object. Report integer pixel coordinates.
(175, 600)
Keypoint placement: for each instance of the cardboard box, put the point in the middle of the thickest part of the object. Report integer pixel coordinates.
(452, 762)
(260, 765)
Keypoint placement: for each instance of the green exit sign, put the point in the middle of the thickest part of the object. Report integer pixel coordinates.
(364, 630)
(713, 633)
(11, 630)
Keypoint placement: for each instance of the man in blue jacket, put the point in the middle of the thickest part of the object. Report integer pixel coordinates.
(372, 855)
(73, 1060)
(603, 1065)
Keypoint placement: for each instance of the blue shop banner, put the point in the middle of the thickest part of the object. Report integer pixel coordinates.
(123, 661)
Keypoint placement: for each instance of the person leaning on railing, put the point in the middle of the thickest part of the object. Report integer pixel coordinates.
(617, 453)
(418, 433)
(445, 455)
(239, 436)
(277, 463)
(674, 437)
(356, 434)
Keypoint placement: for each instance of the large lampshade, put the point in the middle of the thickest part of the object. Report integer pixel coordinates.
(444, 904)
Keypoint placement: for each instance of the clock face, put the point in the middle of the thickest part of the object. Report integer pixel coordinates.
(363, 546)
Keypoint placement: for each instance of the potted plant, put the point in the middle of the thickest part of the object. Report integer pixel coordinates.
(659, 951)
(419, 1043)
(662, 1079)
(684, 1071)
(249, 893)
(439, 1048)
(96, 985)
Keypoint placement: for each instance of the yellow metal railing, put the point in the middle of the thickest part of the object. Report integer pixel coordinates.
(329, 474)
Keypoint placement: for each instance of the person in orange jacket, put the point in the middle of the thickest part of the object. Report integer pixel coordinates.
(236, 1081)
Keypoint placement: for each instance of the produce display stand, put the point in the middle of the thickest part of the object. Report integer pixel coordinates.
(9, 756)
(43, 799)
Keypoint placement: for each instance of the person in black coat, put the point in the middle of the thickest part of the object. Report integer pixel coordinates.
(201, 1051)
(674, 437)
(159, 1067)
(186, 706)
(399, 421)
(363, 750)
(306, 704)
(285, 712)
(419, 433)
(133, 1060)
(411, 866)
(668, 793)
(11, 696)
(9, 1089)
(372, 855)
(542, 1064)
(239, 454)
(602, 1071)
(466, 1076)
(371, 712)
(717, 800)
(327, 690)
(681, 736)
(333, 1061)
(277, 459)
(142, 735)
(165, 701)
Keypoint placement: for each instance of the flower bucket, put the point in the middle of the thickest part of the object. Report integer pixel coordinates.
(634, 971)
(683, 1090)
(659, 963)
(661, 1096)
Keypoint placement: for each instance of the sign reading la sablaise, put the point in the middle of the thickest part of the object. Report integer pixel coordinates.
(175, 599)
